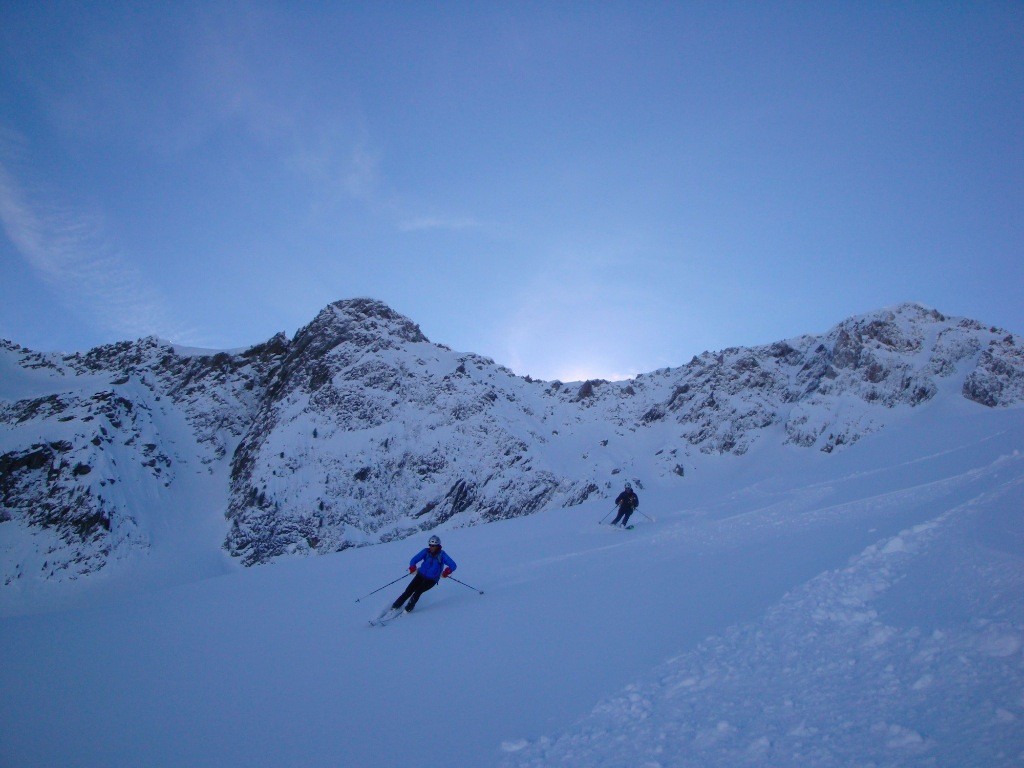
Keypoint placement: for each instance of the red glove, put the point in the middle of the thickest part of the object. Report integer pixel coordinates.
(412, 569)
(446, 573)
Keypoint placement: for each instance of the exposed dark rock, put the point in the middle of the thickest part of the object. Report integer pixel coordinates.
(998, 380)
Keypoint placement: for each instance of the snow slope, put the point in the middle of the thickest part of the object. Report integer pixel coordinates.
(785, 607)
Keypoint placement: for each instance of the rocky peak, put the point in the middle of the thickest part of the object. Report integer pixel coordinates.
(339, 335)
(901, 329)
(121, 356)
(362, 322)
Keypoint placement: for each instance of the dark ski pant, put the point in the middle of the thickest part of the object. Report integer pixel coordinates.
(417, 587)
(624, 515)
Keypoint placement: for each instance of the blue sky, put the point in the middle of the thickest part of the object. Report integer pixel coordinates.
(573, 189)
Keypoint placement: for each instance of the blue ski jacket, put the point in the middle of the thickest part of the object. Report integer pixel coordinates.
(432, 565)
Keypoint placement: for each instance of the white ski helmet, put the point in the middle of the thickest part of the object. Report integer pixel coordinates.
(434, 542)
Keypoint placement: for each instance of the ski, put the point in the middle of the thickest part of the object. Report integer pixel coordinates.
(386, 617)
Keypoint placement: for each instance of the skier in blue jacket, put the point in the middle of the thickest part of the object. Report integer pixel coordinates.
(434, 565)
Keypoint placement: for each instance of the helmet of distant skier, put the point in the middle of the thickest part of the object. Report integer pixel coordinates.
(434, 542)
(629, 487)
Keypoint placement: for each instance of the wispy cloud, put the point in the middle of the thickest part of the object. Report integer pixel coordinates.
(342, 165)
(325, 138)
(425, 223)
(70, 251)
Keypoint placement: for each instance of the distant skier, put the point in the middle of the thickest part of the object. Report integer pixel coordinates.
(436, 565)
(627, 501)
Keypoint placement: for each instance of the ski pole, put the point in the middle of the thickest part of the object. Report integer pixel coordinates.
(452, 578)
(604, 518)
(647, 516)
(380, 588)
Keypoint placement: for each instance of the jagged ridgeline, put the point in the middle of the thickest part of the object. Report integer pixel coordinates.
(360, 430)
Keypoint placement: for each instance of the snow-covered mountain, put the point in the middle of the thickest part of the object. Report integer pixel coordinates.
(827, 567)
(359, 430)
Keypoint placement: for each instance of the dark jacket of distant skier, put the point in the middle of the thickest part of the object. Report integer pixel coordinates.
(627, 501)
(434, 565)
